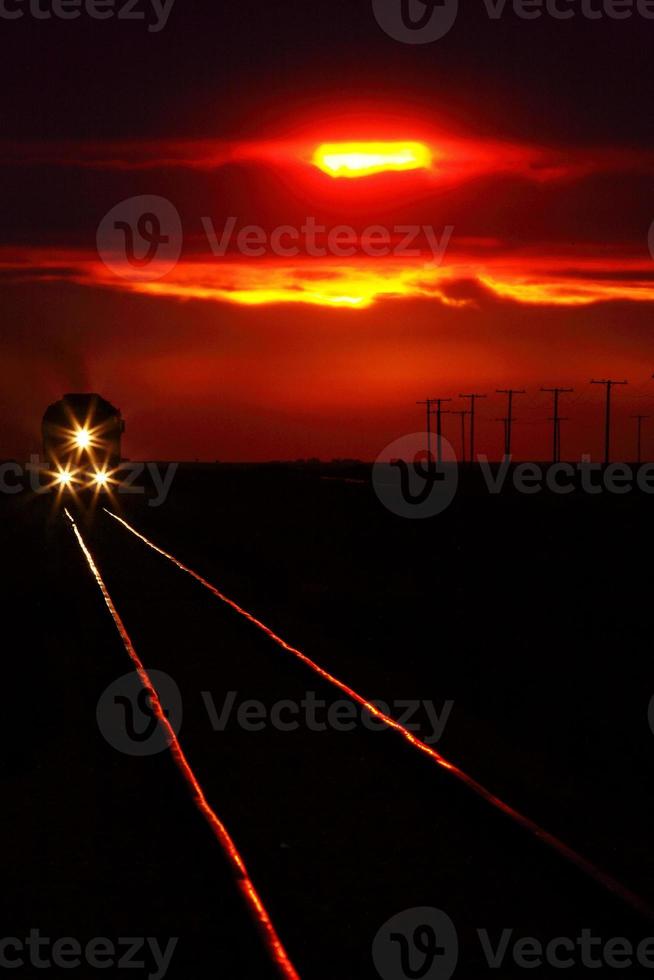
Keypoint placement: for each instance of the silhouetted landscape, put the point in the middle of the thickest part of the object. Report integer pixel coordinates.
(530, 614)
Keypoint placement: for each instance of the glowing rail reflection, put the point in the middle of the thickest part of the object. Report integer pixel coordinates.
(583, 864)
(255, 905)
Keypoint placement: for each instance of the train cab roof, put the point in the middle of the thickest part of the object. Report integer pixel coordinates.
(80, 404)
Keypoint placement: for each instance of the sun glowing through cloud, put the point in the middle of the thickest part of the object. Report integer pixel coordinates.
(364, 159)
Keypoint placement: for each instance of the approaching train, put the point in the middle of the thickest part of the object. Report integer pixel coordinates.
(82, 441)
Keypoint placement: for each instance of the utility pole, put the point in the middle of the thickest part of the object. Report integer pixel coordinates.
(439, 425)
(509, 415)
(639, 420)
(473, 398)
(428, 402)
(462, 415)
(504, 422)
(609, 382)
(556, 419)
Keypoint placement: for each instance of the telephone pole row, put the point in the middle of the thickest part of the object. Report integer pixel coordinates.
(508, 420)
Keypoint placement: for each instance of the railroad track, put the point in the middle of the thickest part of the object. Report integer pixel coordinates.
(255, 904)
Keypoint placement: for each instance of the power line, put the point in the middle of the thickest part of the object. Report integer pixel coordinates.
(556, 419)
(504, 422)
(427, 402)
(509, 415)
(473, 398)
(609, 382)
(439, 426)
(639, 443)
(462, 415)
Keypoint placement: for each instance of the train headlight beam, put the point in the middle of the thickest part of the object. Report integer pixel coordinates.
(82, 439)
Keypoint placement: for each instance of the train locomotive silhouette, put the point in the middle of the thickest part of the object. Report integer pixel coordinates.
(82, 442)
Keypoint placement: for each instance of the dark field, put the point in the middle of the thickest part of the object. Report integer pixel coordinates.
(531, 614)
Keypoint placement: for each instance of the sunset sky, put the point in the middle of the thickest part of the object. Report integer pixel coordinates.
(537, 169)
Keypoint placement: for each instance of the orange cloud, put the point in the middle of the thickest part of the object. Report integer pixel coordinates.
(462, 281)
(459, 158)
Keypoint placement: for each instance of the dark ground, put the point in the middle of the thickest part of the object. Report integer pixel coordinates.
(531, 613)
